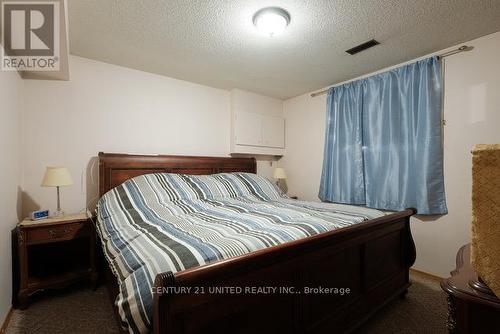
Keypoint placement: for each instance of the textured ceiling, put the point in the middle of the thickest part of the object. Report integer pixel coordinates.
(213, 42)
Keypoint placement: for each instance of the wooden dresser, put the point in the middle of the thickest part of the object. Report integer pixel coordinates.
(472, 308)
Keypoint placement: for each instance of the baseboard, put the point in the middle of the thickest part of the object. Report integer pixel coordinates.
(6, 321)
(426, 275)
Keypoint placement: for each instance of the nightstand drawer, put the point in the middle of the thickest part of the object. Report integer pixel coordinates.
(55, 233)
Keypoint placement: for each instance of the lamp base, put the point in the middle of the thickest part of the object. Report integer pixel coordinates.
(58, 213)
(281, 183)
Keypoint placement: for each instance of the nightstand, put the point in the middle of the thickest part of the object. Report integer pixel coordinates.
(55, 252)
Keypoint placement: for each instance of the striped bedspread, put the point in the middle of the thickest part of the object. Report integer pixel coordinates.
(170, 222)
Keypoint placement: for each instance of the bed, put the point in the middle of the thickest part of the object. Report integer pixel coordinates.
(203, 244)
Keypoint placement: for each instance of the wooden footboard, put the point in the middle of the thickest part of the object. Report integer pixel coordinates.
(297, 287)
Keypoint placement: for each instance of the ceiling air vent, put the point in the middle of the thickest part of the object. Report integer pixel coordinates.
(362, 47)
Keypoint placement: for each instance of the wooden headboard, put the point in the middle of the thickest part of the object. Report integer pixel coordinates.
(114, 169)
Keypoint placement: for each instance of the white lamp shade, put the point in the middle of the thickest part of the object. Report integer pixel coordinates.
(56, 177)
(279, 173)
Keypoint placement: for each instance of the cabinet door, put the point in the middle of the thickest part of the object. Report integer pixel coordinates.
(273, 131)
(248, 129)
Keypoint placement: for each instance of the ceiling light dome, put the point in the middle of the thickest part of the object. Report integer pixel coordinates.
(271, 21)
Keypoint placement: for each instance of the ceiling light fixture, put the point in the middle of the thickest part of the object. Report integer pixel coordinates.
(271, 21)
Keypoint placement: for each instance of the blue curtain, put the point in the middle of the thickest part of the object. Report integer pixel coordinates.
(383, 143)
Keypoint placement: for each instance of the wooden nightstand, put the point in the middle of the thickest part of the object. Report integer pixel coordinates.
(54, 253)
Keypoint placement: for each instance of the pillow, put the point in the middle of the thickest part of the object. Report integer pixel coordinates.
(172, 187)
(260, 186)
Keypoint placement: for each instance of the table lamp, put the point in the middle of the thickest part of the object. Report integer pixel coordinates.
(279, 174)
(57, 177)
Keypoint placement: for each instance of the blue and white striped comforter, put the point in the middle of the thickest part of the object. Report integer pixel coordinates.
(171, 222)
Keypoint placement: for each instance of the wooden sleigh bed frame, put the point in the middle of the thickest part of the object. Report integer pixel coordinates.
(371, 259)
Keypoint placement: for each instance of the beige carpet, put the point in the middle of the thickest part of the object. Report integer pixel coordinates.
(423, 311)
(80, 310)
(74, 310)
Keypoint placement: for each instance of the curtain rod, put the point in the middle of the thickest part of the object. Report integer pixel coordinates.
(446, 54)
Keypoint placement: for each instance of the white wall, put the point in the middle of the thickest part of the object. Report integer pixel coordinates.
(472, 112)
(114, 109)
(10, 177)
(244, 101)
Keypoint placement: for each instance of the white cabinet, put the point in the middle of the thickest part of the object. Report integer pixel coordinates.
(257, 124)
(257, 134)
(248, 129)
(273, 131)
